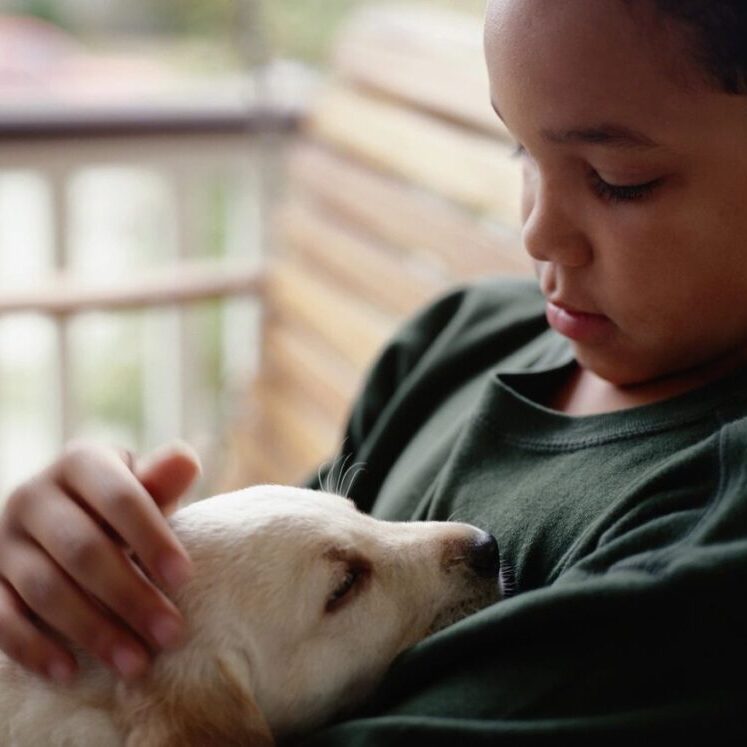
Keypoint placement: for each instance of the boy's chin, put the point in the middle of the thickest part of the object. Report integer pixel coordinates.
(623, 370)
(654, 370)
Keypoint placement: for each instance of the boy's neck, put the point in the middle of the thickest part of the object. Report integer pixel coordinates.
(584, 393)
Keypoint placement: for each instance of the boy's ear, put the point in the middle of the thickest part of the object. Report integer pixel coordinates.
(221, 712)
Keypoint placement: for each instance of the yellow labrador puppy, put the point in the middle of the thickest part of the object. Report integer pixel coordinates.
(297, 606)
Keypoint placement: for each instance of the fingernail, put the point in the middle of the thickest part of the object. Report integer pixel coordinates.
(60, 671)
(174, 570)
(129, 663)
(166, 631)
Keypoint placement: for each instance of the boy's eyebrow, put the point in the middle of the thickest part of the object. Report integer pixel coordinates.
(615, 136)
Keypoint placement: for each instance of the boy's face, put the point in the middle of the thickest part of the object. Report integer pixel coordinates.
(660, 256)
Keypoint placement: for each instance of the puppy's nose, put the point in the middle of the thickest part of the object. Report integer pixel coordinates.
(483, 556)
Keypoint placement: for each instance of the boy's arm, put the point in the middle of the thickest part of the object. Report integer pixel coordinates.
(645, 637)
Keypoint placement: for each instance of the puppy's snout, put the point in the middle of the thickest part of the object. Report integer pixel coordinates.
(483, 556)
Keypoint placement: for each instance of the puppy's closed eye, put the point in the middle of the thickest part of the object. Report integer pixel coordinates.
(348, 583)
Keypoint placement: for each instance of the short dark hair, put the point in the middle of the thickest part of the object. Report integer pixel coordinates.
(719, 37)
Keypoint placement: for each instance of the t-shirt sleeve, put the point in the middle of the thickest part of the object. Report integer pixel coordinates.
(644, 638)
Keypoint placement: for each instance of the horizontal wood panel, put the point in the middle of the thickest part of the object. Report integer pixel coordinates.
(312, 368)
(292, 425)
(352, 327)
(251, 457)
(474, 171)
(430, 59)
(407, 217)
(390, 282)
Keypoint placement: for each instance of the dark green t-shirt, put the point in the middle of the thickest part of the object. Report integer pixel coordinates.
(624, 534)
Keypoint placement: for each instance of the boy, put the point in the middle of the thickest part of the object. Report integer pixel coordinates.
(596, 425)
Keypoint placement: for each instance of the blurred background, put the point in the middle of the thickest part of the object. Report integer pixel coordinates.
(143, 149)
(298, 29)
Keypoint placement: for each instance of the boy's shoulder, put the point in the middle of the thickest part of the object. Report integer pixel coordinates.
(496, 294)
(483, 305)
(469, 326)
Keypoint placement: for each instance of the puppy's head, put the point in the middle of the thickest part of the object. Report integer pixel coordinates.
(299, 603)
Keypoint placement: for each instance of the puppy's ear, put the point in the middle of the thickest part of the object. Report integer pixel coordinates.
(221, 712)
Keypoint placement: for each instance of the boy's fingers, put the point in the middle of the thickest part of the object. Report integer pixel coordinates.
(23, 642)
(57, 602)
(103, 482)
(78, 545)
(168, 472)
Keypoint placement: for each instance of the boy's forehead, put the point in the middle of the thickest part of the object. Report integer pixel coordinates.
(619, 30)
(563, 64)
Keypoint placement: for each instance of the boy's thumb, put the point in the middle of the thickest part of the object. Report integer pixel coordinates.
(167, 472)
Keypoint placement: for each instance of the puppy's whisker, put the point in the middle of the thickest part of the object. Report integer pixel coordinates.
(341, 476)
(319, 473)
(340, 466)
(360, 469)
(331, 475)
(327, 486)
(508, 579)
(355, 469)
(323, 482)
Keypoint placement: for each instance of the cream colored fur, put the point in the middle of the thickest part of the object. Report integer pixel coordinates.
(270, 652)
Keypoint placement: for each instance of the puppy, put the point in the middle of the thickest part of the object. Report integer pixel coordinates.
(297, 606)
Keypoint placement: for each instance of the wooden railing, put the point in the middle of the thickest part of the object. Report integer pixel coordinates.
(184, 145)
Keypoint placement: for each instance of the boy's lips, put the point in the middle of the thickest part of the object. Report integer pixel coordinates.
(580, 326)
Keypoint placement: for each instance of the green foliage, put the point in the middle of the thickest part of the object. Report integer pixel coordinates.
(202, 17)
(303, 29)
(47, 10)
(108, 380)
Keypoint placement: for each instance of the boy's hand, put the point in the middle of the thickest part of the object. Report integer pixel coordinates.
(67, 541)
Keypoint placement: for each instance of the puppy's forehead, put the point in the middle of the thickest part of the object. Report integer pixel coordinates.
(257, 505)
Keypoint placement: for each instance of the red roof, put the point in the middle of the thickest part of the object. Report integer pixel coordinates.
(30, 49)
(40, 62)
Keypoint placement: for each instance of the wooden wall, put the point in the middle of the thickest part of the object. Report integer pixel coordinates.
(400, 185)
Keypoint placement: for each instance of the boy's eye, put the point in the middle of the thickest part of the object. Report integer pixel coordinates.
(605, 190)
(621, 193)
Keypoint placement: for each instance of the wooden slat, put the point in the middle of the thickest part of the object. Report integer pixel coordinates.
(428, 58)
(406, 217)
(352, 327)
(393, 283)
(293, 427)
(474, 171)
(177, 284)
(250, 457)
(281, 438)
(312, 368)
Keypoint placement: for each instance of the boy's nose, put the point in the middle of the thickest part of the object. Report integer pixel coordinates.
(549, 232)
